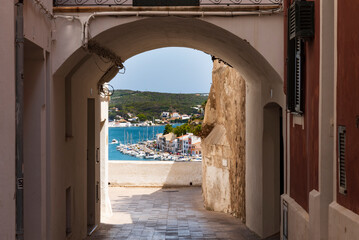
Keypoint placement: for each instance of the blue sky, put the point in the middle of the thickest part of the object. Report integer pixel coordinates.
(174, 70)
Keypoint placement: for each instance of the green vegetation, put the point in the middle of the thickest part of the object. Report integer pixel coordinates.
(204, 104)
(168, 129)
(152, 104)
(112, 115)
(142, 117)
(190, 127)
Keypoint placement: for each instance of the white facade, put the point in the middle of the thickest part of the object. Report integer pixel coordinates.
(186, 142)
(175, 115)
(134, 119)
(165, 114)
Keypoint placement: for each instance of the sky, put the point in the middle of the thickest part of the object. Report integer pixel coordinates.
(172, 70)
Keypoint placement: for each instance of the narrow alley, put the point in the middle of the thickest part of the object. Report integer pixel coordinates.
(155, 213)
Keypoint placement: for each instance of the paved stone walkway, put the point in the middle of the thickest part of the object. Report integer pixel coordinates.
(154, 213)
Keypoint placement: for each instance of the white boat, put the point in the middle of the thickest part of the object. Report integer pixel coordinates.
(141, 155)
(133, 153)
(149, 156)
(182, 159)
(114, 141)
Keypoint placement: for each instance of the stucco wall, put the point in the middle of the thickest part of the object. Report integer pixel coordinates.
(35, 107)
(7, 121)
(69, 154)
(298, 220)
(106, 210)
(304, 139)
(224, 146)
(155, 173)
(347, 98)
(343, 223)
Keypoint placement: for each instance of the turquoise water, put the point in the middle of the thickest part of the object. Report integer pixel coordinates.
(132, 135)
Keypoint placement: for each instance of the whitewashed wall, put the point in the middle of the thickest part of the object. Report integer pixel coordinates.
(155, 173)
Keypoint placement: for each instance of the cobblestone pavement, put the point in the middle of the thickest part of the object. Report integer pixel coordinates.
(154, 213)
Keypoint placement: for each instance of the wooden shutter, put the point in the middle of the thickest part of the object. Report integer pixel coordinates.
(295, 76)
(301, 20)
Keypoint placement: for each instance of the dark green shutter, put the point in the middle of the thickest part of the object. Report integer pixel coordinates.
(301, 20)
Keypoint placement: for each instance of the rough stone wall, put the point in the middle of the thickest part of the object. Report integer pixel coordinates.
(224, 143)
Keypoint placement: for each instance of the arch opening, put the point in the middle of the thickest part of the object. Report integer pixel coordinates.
(132, 36)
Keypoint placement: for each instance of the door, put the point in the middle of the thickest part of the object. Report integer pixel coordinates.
(91, 162)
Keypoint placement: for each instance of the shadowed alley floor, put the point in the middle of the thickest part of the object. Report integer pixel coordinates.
(154, 213)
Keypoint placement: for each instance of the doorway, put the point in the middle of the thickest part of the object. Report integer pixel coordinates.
(91, 155)
(273, 167)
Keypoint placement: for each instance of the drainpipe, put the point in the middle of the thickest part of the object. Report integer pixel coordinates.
(85, 25)
(19, 108)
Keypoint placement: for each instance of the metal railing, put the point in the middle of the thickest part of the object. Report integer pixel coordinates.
(77, 3)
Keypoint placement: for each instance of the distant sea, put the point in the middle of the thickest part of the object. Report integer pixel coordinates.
(132, 135)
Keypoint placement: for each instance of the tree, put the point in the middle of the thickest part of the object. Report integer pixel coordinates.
(182, 129)
(142, 117)
(197, 130)
(203, 105)
(112, 115)
(168, 129)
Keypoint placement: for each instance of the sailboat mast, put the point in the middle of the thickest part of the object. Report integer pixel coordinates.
(153, 128)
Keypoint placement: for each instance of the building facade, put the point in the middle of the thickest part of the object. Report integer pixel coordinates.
(53, 117)
(321, 137)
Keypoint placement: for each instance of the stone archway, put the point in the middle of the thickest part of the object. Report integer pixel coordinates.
(133, 36)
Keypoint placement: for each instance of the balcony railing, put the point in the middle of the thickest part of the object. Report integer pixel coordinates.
(129, 3)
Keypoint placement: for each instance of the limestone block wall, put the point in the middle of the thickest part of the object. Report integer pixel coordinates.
(224, 143)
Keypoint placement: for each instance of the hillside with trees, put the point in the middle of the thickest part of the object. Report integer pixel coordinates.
(152, 104)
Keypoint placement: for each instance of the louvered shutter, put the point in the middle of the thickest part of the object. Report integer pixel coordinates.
(342, 177)
(297, 22)
(298, 85)
(301, 20)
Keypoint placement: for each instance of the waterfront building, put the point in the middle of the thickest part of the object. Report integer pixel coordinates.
(175, 115)
(164, 141)
(185, 117)
(165, 114)
(196, 148)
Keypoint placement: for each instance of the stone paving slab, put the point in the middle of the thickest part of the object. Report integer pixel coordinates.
(155, 213)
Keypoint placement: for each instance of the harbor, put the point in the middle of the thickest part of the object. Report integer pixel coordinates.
(149, 144)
